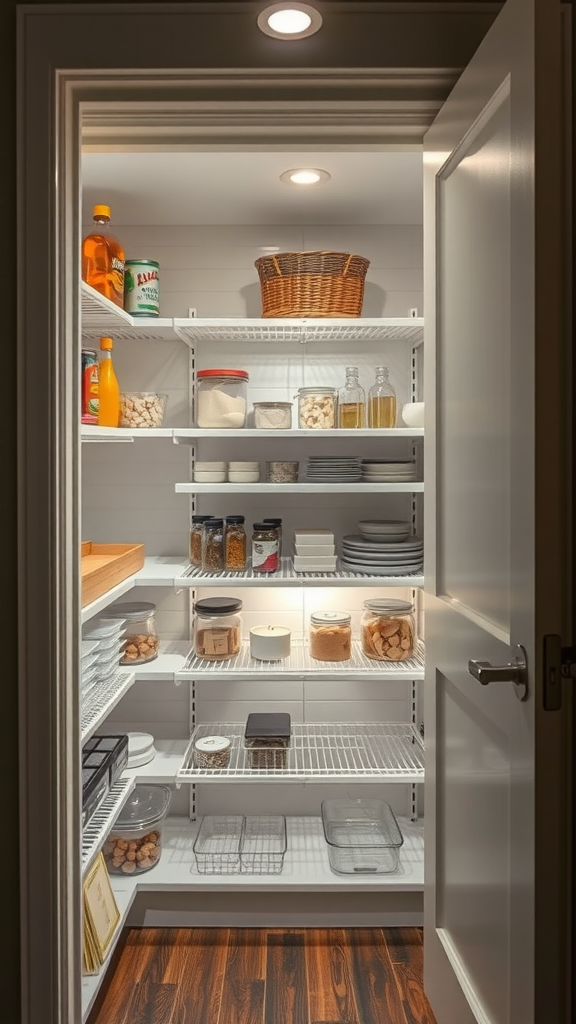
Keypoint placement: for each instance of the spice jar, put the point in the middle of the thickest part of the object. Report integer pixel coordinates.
(265, 548)
(212, 752)
(221, 399)
(387, 630)
(217, 628)
(213, 545)
(196, 530)
(330, 636)
(277, 524)
(141, 639)
(316, 408)
(235, 544)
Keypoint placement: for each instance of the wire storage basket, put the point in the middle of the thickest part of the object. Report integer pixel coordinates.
(317, 283)
(234, 845)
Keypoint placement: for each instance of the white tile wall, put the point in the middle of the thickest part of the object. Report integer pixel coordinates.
(128, 489)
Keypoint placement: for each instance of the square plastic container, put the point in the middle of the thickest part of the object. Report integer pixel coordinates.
(363, 836)
(233, 844)
(267, 739)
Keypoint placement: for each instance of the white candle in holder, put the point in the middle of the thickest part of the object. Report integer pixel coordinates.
(270, 643)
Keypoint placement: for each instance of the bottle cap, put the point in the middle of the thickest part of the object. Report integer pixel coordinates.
(101, 211)
(106, 344)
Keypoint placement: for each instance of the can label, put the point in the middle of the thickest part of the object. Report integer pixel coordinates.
(265, 555)
(142, 288)
(89, 386)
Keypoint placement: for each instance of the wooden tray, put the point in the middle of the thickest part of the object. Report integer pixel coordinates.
(105, 565)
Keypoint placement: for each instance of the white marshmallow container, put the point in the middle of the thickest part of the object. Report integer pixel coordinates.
(270, 643)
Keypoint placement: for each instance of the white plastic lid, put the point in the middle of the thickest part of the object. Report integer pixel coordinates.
(330, 618)
(139, 743)
(212, 744)
(388, 607)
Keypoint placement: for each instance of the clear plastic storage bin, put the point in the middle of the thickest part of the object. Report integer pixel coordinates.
(135, 842)
(363, 836)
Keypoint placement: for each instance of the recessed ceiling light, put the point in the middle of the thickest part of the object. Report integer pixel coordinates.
(305, 176)
(289, 20)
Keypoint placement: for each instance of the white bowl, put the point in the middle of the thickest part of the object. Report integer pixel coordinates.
(244, 467)
(209, 477)
(210, 467)
(413, 414)
(243, 478)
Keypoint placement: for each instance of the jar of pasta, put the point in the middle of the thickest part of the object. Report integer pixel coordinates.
(235, 544)
(217, 628)
(387, 630)
(330, 636)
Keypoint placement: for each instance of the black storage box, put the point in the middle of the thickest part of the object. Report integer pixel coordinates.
(266, 739)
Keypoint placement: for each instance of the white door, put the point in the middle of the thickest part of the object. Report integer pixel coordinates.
(494, 265)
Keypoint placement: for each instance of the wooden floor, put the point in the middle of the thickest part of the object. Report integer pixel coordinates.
(265, 976)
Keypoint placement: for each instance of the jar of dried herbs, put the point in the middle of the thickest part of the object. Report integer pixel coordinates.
(213, 545)
(196, 529)
(235, 544)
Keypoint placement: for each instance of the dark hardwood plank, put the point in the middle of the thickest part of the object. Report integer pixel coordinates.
(199, 991)
(330, 988)
(158, 1007)
(244, 978)
(375, 985)
(404, 944)
(286, 1000)
(128, 966)
(406, 951)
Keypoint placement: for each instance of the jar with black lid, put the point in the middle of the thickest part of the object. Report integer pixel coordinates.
(235, 544)
(277, 523)
(265, 548)
(217, 627)
(213, 545)
(196, 530)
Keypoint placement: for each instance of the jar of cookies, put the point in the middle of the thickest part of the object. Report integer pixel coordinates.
(217, 628)
(330, 636)
(141, 639)
(387, 630)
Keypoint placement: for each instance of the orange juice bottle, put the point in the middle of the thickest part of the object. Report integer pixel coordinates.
(108, 389)
(103, 258)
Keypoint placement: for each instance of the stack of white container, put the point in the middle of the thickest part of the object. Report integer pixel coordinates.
(106, 637)
(314, 551)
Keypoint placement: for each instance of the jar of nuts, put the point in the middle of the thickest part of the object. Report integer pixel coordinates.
(135, 842)
(141, 640)
(317, 408)
(387, 630)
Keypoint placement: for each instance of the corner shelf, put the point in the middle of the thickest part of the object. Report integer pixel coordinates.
(96, 830)
(288, 577)
(100, 701)
(358, 488)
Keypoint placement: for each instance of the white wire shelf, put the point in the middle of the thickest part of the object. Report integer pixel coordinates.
(288, 577)
(184, 435)
(102, 820)
(364, 751)
(102, 317)
(99, 702)
(360, 487)
(302, 330)
(299, 665)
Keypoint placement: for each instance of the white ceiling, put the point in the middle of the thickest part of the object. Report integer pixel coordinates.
(244, 188)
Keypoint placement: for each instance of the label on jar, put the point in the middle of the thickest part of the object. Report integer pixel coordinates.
(265, 555)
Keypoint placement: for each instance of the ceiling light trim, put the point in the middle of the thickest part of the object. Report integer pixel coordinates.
(273, 11)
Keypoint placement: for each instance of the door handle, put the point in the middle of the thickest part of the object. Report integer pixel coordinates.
(516, 671)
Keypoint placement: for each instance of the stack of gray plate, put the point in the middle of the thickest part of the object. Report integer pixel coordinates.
(387, 471)
(333, 470)
(382, 548)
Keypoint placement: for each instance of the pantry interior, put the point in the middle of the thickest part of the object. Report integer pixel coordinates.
(205, 217)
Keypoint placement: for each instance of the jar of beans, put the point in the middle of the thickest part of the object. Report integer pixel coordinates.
(196, 530)
(213, 545)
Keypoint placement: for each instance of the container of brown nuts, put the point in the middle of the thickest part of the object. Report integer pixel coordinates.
(141, 640)
(135, 842)
(212, 752)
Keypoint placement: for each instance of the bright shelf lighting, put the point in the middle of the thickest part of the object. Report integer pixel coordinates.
(305, 176)
(289, 20)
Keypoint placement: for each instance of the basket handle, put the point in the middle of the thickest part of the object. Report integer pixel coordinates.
(346, 266)
(277, 265)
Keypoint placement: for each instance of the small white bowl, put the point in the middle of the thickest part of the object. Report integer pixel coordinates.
(209, 477)
(244, 467)
(413, 414)
(210, 467)
(243, 478)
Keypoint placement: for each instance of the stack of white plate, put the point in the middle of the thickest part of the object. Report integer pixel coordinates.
(333, 470)
(382, 548)
(386, 471)
(141, 749)
(109, 636)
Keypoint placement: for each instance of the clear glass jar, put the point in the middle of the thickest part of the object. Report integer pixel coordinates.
(235, 544)
(221, 400)
(351, 401)
(272, 415)
(265, 548)
(196, 530)
(387, 630)
(141, 639)
(330, 636)
(317, 408)
(213, 545)
(277, 524)
(217, 628)
(382, 401)
(282, 472)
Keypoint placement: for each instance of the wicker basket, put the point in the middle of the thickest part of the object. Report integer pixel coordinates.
(313, 284)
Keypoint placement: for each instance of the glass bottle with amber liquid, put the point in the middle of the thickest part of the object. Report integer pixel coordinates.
(103, 258)
(382, 401)
(351, 401)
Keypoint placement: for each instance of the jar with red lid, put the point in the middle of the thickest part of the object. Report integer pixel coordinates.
(221, 399)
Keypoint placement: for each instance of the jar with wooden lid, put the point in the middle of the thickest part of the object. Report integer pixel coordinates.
(330, 636)
(213, 545)
(196, 530)
(217, 628)
(387, 630)
(235, 544)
